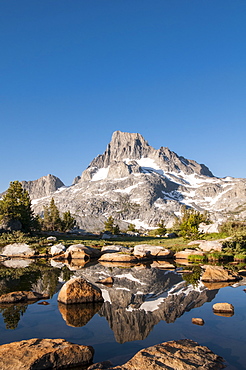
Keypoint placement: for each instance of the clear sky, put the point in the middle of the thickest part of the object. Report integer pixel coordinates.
(74, 71)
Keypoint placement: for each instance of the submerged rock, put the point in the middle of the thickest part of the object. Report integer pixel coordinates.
(78, 290)
(182, 354)
(36, 354)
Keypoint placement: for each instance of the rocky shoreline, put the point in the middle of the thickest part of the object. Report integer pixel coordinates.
(37, 354)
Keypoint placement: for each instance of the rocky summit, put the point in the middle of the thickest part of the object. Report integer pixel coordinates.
(138, 184)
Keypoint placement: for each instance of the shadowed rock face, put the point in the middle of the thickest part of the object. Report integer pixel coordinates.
(141, 297)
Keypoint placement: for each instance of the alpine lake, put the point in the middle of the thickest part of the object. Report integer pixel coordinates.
(147, 304)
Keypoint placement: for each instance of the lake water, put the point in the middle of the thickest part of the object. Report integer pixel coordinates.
(146, 305)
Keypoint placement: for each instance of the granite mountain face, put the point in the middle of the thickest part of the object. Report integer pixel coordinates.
(136, 183)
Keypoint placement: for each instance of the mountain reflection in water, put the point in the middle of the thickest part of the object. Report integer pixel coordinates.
(142, 299)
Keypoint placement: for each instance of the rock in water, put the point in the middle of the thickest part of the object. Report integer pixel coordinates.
(36, 354)
(21, 296)
(182, 354)
(223, 307)
(78, 290)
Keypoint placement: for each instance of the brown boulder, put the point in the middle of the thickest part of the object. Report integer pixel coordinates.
(78, 290)
(118, 257)
(218, 273)
(151, 251)
(36, 354)
(197, 321)
(21, 296)
(223, 307)
(182, 354)
(82, 252)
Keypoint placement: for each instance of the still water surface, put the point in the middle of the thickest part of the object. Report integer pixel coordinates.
(145, 306)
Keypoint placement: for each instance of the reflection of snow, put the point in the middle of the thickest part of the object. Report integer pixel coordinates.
(105, 295)
(130, 277)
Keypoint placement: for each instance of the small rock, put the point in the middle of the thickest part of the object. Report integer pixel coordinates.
(52, 238)
(223, 307)
(197, 321)
(107, 281)
(57, 249)
(45, 303)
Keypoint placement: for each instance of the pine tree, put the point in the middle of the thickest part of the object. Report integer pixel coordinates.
(51, 220)
(110, 226)
(190, 220)
(16, 205)
(68, 221)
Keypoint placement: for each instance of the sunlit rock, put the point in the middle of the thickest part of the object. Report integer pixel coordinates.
(34, 354)
(78, 290)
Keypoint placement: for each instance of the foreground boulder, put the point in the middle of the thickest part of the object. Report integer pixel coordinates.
(182, 354)
(78, 290)
(36, 354)
(151, 251)
(21, 296)
(20, 250)
(218, 273)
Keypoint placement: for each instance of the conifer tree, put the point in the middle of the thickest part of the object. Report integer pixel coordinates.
(16, 205)
(68, 221)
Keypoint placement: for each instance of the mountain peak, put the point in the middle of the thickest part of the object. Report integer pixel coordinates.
(129, 153)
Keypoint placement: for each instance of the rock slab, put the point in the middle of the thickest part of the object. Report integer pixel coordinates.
(22, 296)
(182, 354)
(79, 290)
(36, 354)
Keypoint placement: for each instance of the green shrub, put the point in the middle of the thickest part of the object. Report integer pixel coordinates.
(240, 257)
(196, 258)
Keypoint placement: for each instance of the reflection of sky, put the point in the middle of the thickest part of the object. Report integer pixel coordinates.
(225, 336)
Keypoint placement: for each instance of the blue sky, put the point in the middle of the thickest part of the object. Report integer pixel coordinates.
(73, 72)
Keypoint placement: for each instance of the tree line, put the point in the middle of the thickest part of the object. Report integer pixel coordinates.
(15, 206)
